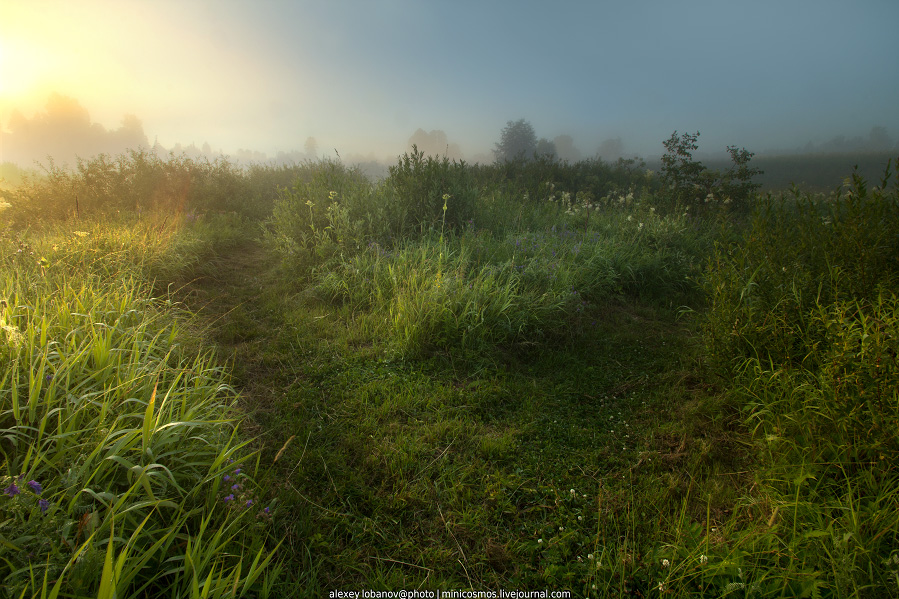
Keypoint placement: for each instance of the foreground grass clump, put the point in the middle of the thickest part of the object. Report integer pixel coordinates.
(121, 468)
(805, 321)
(474, 291)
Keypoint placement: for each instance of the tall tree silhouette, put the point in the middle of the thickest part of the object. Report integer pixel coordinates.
(518, 142)
(64, 131)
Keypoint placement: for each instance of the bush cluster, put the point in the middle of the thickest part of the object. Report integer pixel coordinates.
(689, 183)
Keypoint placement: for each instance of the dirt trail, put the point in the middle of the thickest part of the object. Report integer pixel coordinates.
(232, 294)
(224, 280)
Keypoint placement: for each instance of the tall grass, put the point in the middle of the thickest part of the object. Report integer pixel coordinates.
(804, 320)
(122, 472)
(140, 181)
(474, 291)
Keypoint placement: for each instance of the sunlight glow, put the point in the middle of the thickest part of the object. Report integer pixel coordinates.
(22, 67)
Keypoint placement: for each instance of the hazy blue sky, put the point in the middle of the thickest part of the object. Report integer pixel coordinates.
(363, 75)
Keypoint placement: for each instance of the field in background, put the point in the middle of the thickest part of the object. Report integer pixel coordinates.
(530, 375)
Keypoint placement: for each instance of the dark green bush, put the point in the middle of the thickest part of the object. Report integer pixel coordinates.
(419, 187)
(689, 183)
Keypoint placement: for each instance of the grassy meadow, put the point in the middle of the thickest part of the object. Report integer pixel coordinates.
(284, 381)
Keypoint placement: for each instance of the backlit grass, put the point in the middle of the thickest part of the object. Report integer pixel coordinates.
(118, 436)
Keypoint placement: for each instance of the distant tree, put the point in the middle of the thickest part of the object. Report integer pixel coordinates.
(879, 139)
(245, 156)
(290, 157)
(311, 147)
(611, 150)
(434, 143)
(64, 130)
(565, 148)
(129, 135)
(518, 142)
(546, 149)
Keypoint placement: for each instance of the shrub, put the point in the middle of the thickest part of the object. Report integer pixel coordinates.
(140, 181)
(689, 183)
(415, 190)
(321, 215)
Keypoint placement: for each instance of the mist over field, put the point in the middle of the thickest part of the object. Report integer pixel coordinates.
(289, 82)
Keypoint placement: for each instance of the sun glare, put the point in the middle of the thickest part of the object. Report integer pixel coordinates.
(23, 67)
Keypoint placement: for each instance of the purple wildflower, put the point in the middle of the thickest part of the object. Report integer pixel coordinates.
(235, 487)
(249, 502)
(35, 486)
(236, 471)
(12, 490)
(48, 377)
(229, 497)
(44, 505)
(226, 478)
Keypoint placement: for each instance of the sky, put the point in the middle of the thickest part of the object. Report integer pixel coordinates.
(361, 76)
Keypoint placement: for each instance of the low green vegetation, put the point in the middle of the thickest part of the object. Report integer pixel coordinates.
(531, 375)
